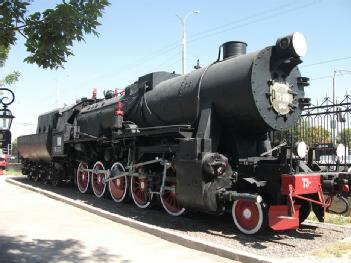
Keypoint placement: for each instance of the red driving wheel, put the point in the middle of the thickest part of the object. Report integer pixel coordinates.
(248, 216)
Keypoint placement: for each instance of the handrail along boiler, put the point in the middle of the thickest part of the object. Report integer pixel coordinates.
(199, 141)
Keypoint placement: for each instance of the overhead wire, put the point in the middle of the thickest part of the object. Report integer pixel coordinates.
(133, 65)
(171, 47)
(25, 123)
(241, 23)
(169, 61)
(241, 20)
(322, 77)
(325, 62)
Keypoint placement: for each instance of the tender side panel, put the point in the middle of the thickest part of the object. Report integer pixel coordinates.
(35, 146)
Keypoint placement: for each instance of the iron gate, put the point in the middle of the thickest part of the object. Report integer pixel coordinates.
(325, 128)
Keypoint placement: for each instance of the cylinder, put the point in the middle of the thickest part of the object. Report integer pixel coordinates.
(233, 49)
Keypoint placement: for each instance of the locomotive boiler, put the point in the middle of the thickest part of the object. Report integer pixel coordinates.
(198, 141)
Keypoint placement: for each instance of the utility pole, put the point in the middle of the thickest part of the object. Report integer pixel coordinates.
(334, 124)
(183, 21)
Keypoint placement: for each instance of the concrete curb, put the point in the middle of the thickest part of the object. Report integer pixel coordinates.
(165, 234)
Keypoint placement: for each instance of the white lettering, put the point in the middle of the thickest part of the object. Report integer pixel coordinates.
(306, 183)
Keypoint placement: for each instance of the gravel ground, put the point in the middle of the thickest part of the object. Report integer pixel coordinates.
(217, 229)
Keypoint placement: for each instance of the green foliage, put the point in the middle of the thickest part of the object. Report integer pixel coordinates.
(316, 135)
(11, 14)
(340, 250)
(333, 219)
(12, 77)
(49, 34)
(3, 55)
(311, 135)
(344, 136)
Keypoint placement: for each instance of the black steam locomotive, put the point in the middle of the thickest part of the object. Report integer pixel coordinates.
(198, 141)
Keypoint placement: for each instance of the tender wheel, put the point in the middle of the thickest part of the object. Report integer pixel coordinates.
(35, 176)
(82, 177)
(169, 200)
(139, 189)
(30, 176)
(118, 187)
(249, 216)
(97, 179)
(45, 179)
(56, 181)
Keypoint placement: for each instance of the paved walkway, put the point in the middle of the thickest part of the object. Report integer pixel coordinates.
(35, 228)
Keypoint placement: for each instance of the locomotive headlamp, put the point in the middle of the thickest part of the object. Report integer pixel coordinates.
(292, 45)
(299, 44)
(340, 150)
(301, 149)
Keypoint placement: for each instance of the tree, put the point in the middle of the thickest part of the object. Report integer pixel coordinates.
(49, 34)
(344, 137)
(317, 135)
(303, 131)
(12, 77)
(14, 148)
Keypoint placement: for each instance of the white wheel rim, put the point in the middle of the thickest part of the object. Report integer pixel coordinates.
(247, 214)
(179, 213)
(80, 167)
(134, 197)
(93, 174)
(120, 166)
(165, 206)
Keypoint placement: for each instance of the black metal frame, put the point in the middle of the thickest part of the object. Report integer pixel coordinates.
(322, 127)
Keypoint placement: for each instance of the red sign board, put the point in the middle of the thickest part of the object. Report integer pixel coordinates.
(300, 183)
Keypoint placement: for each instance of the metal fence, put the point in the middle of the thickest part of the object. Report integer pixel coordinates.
(325, 128)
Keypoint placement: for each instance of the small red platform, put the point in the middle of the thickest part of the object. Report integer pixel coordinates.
(279, 218)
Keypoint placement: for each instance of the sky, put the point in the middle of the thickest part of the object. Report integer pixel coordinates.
(142, 36)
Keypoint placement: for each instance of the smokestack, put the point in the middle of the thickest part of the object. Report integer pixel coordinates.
(233, 49)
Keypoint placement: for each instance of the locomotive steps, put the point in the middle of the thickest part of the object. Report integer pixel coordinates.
(235, 248)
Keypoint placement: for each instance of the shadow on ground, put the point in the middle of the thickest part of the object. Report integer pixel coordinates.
(217, 229)
(17, 249)
(220, 225)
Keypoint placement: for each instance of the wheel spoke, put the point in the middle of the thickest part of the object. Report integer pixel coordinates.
(139, 188)
(82, 177)
(118, 187)
(98, 176)
(170, 203)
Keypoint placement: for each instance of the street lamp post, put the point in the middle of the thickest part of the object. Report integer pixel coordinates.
(6, 98)
(6, 118)
(183, 21)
